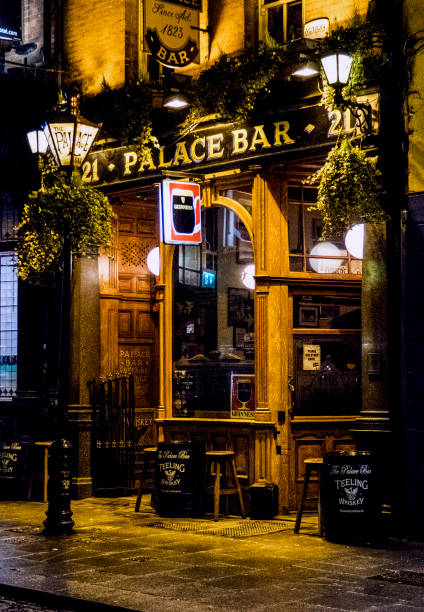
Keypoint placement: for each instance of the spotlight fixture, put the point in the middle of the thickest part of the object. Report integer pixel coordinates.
(176, 102)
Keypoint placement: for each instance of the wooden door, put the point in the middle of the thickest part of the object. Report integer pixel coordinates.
(129, 321)
(326, 399)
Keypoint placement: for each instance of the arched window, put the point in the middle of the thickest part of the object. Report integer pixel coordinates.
(213, 320)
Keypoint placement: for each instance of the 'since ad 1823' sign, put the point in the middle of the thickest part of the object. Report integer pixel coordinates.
(171, 31)
(10, 19)
(180, 213)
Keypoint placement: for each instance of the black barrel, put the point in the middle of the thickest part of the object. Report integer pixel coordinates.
(350, 496)
(178, 477)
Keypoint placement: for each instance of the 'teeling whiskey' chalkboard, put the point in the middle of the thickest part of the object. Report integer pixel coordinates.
(179, 472)
(350, 495)
(10, 459)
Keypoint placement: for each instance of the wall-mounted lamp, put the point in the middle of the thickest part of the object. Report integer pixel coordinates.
(337, 65)
(305, 70)
(354, 240)
(153, 261)
(176, 102)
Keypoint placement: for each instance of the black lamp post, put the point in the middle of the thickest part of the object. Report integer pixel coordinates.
(337, 65)
(69, 137)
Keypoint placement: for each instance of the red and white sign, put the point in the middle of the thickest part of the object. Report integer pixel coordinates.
(180, 220)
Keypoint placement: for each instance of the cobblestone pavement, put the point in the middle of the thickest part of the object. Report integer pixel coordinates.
(18, 605)
(119, 559)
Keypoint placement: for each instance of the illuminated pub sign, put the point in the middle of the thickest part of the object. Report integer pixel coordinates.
(179, 212)
(210, 149)
(10, 19)
(171, 31)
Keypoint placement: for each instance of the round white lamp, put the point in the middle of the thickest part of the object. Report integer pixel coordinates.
(354, 240)
(325, 266)
(153, 261)
(247, 276)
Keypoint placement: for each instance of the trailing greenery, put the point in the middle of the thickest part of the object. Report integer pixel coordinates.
(74, 210)
(348, 190)
(230, 87)
(125, 113)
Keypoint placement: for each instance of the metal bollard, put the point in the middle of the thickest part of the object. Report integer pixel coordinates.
(59, 513)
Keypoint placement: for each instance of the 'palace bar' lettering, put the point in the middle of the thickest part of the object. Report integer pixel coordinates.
(213, 147)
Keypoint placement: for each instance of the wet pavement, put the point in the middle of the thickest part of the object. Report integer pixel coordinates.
(138, 561)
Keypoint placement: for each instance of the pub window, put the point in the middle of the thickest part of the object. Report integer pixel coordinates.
(213, 320)
(308, 252)
(8, 325)
(282, 21)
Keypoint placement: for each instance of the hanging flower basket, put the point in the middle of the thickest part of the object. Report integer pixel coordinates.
(348, 190)
(77, 211)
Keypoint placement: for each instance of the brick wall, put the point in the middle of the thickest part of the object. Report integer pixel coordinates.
(94, 42)
(338, 11)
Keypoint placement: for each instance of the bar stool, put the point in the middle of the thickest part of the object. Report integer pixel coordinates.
(222, 460)
(44, 475)
(149, 461)
(311, 465)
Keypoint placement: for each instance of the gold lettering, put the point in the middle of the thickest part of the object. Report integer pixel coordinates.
(183, 57)
(280, 130)
(197, 158)
(259, 138)
(162, 162)
(130, 161)
(147, 160)
(162, 53)
(214, 146)
(181, 154)
(240, 143)
(172, 58)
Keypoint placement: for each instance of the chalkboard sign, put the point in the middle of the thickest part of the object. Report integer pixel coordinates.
(179, 472)
(350, 495)
(11, 459)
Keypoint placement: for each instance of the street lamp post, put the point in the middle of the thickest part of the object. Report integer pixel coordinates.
(69, 138)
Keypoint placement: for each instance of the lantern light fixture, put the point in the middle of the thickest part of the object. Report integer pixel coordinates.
(337, 65)
(70, 136)
(37, 142)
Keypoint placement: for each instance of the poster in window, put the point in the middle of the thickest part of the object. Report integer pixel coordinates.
(240, 308)
(242, 396)
(311, 356)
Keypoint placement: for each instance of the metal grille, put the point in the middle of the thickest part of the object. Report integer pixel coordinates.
(114, 435)
(231, 529)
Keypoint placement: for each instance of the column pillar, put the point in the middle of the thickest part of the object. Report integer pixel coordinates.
(84, 367)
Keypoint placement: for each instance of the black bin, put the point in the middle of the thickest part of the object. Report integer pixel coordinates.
(350, 496)
(179, 477)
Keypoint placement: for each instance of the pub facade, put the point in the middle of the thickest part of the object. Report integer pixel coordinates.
(250, 338)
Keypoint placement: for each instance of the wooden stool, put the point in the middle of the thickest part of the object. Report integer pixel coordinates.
(221, 459)
(149, 460)
(45, 474)
(311, 465)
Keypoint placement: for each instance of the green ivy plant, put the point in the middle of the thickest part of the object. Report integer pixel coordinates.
(348, 190)
(73, 210)
(231, 87)
(363, 41)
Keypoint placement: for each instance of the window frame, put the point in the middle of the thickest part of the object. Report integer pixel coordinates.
(263, 16)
